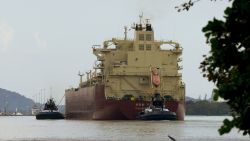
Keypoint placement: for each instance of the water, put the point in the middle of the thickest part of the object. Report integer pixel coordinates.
(194, 128)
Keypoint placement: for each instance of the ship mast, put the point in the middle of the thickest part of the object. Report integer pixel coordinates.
(125, 32)
(141, 16)
(81, 75)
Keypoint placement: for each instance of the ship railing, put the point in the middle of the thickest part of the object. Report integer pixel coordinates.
(122, 39)
(179, 74)
(132, 98)
(148, 97)
(182, 84)
(168, 42)
(176, 46)
(141, 73)
(145, 96)
(179, 67)
(130, 73)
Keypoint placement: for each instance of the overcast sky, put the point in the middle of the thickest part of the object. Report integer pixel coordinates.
(45, 43)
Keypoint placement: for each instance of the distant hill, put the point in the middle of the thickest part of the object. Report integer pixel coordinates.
(12, 101)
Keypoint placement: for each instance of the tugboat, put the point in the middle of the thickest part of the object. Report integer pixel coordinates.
(50, 111)
(157, 110)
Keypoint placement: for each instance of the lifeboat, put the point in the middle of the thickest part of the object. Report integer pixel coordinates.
(155, 77)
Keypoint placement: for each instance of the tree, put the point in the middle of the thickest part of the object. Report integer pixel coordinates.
(228, 62)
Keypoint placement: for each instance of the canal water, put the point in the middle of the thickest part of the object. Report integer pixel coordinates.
(194, 128)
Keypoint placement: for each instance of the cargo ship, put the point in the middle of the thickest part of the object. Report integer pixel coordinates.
(127, 73)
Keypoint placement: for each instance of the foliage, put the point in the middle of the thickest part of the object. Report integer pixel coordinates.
(187, 5)
(228, 63)
(208, 108)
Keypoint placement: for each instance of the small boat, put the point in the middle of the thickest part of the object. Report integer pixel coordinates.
(35, 110)
(157, 110)
(50, 111)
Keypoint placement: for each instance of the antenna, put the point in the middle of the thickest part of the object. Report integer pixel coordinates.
(141, 16)
(39, 97)
(44, 99)
(50, 92)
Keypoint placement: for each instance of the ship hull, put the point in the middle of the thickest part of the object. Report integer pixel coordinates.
(49, 115)
(89, 103)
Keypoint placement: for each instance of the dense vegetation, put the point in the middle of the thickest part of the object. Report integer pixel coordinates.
(208, 108)
(228, 62)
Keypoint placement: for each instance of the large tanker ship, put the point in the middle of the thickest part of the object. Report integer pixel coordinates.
(126, 75)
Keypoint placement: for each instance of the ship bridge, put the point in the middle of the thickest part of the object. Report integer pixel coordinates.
(138, 67)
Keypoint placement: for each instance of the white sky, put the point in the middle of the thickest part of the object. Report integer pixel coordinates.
(45, 43)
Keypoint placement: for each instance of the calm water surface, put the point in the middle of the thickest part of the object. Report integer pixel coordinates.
(194, 128)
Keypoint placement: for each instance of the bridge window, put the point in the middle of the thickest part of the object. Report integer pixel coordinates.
(141, 37)
(141, 46)
(148, 46)
(148, 37)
